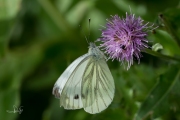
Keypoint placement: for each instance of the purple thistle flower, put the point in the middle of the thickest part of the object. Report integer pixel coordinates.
(124, 38)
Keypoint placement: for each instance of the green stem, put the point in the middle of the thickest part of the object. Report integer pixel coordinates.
(5, 39)
(56, 16)
(148, 51)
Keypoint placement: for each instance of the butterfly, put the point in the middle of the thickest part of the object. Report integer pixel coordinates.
(86, 83)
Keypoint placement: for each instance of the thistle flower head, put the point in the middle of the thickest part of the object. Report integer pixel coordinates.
(124, 38)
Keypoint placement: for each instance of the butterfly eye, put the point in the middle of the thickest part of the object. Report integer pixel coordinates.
(76, 96)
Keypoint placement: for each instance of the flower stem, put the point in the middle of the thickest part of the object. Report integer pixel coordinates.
(148, 51)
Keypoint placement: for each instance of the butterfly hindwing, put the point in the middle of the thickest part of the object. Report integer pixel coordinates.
(97, 86)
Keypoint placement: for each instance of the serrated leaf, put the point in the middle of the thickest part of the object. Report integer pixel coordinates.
(159, 92)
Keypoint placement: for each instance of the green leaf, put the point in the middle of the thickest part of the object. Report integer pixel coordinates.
(77, 13)
(157, 47)
(8, 29)
(171, 48)
(56, 16)
(9, 8)
(8, 99)
(170, 19)
(162, 108)
(159, 92)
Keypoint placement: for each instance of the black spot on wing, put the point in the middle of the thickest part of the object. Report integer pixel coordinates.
(76, 96)
(56, 92)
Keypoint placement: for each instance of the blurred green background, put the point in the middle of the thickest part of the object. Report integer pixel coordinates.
(40, 38)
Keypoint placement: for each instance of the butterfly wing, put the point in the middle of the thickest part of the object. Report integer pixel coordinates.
(71, 93)
(97, 86)
(86, 83)
(60, 83)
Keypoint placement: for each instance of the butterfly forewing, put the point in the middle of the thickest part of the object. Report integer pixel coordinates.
(60, 83)
(71, 94)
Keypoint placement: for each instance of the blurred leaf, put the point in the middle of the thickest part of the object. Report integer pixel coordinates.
(77, 13)
(170, 19)
(43, 81)
(7, 30)
(8, 99)
(9, 8)
(63, 5)
(169, 45)
(159, 55)
(57, 17)
(56, 112)
(170, 103)
(157, 6)
(14, 67)
(131, 87)
(159, 92)
(112, 7)
(162, 108)
(157, 47)
(129, 6)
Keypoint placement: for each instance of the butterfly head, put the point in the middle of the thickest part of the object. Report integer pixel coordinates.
(94, 50)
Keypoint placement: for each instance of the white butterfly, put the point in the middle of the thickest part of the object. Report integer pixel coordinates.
(87, 83)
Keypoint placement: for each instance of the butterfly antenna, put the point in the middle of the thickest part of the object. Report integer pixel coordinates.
(89, 28)
(84, 35)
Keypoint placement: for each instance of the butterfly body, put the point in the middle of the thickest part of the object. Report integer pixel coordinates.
(87, 83)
